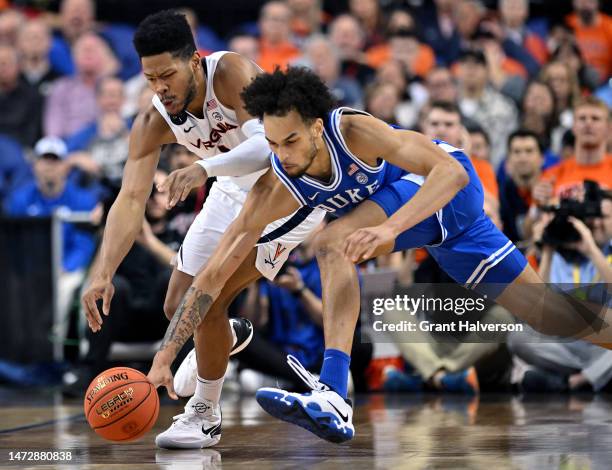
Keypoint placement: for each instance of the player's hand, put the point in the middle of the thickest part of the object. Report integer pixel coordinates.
(362, 244)
(160, 374)
(100, 288)
(179, 183)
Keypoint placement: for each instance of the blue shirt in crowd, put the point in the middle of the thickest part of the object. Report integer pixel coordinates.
(78, 246)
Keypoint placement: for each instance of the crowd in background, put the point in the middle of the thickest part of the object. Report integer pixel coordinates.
(528, 99)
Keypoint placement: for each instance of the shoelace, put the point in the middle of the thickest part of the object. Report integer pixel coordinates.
(184, 419)
(306, 376)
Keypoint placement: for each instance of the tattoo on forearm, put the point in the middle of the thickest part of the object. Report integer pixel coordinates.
(191, 312)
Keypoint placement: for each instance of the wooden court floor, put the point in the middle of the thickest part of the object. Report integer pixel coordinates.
(412, 432)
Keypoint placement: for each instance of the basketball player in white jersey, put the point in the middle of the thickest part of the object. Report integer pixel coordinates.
(197, 104)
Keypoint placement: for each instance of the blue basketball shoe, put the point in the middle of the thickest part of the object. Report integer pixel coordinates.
(321, 411)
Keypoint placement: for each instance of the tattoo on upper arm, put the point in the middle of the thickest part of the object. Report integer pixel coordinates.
(190, 313)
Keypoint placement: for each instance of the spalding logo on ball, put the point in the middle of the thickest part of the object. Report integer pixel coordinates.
(121, 404)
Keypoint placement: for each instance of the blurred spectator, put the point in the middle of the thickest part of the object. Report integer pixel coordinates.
(443, 122)
(101, 148)
(564, 83)
(346, 34)
(483, 104)
(538, 111)
(569, 53)
(505, 74)
(591, 161)
(523, 169)
(323, 58)
(11, 22)
(468, 15)
(569, 366)
(480, 144)
(440, 31)
(382, 101)
(245, 45)
(14, 169)
(76, 18)
(441, 85)
(403, 46)
(206, 39)
(412, 95)
(307, 18)
(182, 215)
(275, 46)
(72, 102)
(140, 284)
(604, 93)
(370, 16)
(50, 191)
(514, 14)
(593, 30)
(33, 43)
(20, 103)
(288, 318)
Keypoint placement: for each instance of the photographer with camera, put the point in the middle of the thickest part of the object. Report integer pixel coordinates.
(576, 250)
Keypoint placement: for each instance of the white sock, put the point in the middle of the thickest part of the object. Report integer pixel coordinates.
(209, 389)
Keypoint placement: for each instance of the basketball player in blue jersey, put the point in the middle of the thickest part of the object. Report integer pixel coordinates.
(390, 190)
(197, 103)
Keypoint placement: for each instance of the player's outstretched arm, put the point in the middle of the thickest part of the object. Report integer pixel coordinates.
(268, 201)
(125, 217)
(370, 138)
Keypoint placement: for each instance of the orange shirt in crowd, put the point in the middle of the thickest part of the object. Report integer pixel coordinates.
(485, 172)
(536, 46)
(595, 42)
(272, 55)
(422, 64)
(567, 176)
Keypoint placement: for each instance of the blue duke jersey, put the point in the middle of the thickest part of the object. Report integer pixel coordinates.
(352, 182)
(461, 238)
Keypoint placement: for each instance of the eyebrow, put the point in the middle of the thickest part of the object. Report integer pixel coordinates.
(159, 74)
(293, 134)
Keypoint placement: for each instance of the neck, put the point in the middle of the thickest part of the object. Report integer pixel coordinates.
(197, 104)
(590, 155)
(321, 167)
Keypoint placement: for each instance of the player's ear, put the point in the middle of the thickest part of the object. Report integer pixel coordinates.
(196, 60)
(318, 127)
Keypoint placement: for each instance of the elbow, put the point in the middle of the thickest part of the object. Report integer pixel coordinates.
(459, 174)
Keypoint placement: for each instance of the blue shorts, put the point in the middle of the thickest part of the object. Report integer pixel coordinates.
(460, 237)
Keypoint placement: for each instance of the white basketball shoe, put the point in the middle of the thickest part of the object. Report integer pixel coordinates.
(197, 427)
(186, 376)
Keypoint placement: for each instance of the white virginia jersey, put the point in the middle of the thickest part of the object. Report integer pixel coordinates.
(218, 132)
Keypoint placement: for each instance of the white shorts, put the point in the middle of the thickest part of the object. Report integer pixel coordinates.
(220, 209)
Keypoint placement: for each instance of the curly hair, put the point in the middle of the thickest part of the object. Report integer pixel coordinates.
(164, 31)
(297, 89)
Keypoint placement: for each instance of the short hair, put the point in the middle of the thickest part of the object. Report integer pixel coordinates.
(524, 133)
(594, 102)
(165, 31)
(475, 128)
(445, 106)
(298, 89)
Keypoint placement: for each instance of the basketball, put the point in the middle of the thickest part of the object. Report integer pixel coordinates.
(121, 404)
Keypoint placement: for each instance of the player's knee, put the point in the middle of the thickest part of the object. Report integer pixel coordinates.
(325, 243)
